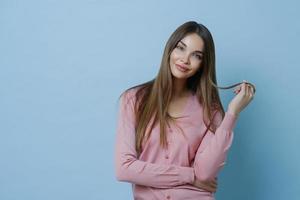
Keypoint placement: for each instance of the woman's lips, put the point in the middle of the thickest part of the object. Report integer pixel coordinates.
(181, 68)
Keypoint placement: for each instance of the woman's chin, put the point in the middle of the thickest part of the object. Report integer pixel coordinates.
(179, 76)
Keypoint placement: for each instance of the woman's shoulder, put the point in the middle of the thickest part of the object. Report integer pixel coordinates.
(130, 93)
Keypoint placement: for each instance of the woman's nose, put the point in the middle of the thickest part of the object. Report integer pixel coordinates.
(185, 58)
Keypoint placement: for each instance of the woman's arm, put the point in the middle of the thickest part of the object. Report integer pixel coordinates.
(212, 152)
(211, 155)
(128, 168)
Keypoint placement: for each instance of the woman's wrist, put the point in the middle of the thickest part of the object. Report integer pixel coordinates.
(233, 112)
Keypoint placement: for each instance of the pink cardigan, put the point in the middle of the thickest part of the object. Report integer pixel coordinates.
(169, 173)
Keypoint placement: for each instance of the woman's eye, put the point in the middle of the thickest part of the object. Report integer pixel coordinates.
(179, 47)
(198, 56)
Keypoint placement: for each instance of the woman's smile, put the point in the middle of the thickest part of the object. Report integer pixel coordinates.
(182, 68)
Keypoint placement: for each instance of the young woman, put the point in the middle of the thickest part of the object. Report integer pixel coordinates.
(173, 134)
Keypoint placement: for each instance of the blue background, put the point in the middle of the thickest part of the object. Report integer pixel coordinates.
(63, 65)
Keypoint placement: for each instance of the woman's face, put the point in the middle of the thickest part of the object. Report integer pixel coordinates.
(186, 57)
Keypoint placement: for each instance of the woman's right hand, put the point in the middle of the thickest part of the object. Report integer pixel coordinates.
(210, 186)
(244, 94)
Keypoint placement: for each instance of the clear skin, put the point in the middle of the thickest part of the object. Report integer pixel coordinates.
(188, 54)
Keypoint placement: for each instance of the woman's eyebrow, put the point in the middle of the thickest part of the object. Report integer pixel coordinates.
(185, 46)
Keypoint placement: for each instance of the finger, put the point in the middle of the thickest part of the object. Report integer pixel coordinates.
(252, 93)
(210, 189)
(213, 188)
(243, 88)
(207, 187)
(237, 89)
(213, 184)
(250, 90)
(252, 87)
(246, 88)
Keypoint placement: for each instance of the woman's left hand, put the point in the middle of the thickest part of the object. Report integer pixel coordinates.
(245, 93)
(210, 185)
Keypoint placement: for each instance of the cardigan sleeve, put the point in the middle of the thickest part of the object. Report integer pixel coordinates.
(212, 152)
(129, 168)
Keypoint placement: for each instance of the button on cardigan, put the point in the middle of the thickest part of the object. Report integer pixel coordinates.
(168, 173)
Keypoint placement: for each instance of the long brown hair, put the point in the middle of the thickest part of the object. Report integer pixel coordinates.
(153, 97)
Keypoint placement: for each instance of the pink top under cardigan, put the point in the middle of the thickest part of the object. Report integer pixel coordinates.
(169, 173)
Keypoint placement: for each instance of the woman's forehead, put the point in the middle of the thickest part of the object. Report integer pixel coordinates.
(193, 41)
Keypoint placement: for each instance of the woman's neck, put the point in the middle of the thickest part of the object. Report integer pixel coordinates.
(179, 88)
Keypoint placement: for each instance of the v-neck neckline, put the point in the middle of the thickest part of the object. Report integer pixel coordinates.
(188, 104)
(185, 110)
